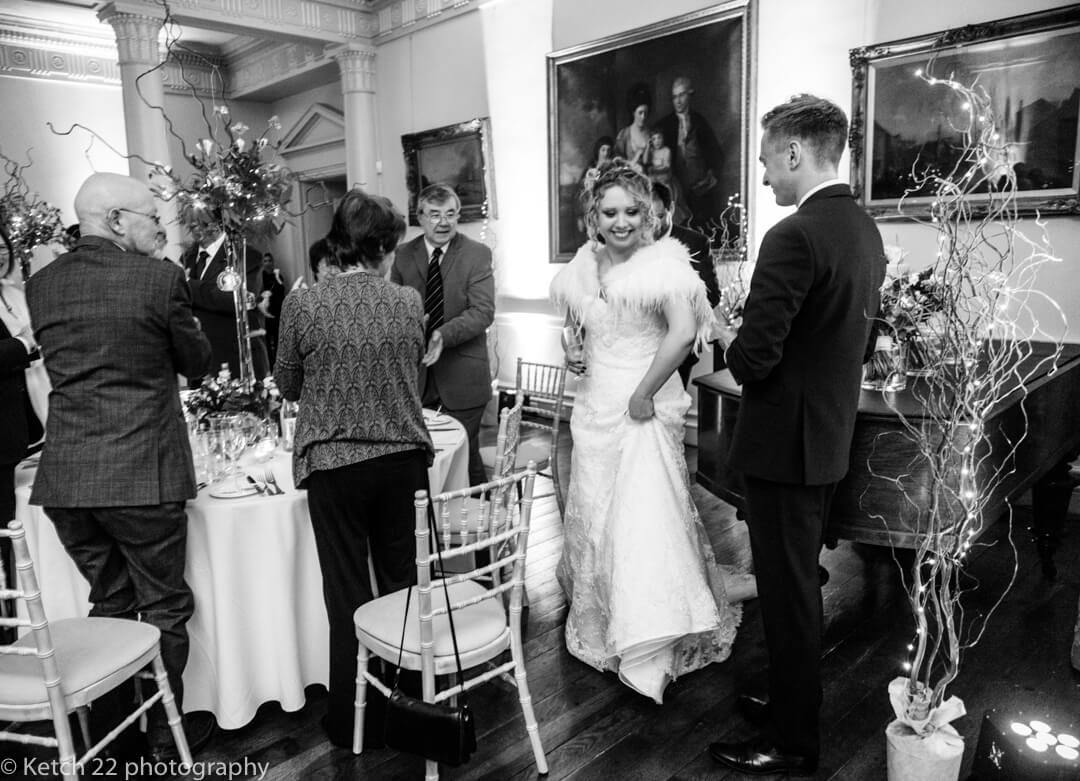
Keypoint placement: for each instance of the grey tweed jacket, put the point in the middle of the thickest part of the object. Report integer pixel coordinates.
(115, 328)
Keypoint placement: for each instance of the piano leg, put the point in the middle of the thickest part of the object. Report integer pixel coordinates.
(1049, 503)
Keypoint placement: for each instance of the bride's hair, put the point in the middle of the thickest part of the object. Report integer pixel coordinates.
(617, 172)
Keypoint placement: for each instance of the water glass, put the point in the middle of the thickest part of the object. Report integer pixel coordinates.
(289, 411)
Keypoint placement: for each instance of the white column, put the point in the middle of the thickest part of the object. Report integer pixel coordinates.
(357, 64)
(137, 29)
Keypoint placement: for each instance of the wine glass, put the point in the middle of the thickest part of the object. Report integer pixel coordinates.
(234, 443)
(573, 343)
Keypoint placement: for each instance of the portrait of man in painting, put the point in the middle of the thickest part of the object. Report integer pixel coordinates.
(677, 85)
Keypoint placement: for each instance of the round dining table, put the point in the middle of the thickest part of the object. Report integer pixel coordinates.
(259, 632)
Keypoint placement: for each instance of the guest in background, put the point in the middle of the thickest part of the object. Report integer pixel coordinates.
(633, 141)
(24, 398)
(798, 355)
(204, 262)
(115, 328)
(273, 294)
(454, 275)
(350, 352)
(663, 201)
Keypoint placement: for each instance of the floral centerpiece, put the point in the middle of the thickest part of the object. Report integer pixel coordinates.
(28, 221)
(912, 312)
(223, 394)
(236, 185)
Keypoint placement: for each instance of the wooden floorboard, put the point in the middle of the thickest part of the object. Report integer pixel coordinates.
(593, 727)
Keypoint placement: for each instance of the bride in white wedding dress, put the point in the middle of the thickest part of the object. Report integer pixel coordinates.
(646, 597)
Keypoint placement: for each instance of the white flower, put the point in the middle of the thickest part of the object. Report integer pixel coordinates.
(894, 254)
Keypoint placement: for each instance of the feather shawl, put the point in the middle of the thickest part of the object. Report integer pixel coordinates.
(655, 274)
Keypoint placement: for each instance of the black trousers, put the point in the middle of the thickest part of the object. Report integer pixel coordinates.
(787, 527)
(354, 508)
(133, 558)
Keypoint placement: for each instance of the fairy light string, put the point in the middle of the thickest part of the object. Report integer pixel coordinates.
(985, 322)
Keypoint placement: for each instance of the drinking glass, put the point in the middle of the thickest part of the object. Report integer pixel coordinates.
(573, 342)
(289, 411)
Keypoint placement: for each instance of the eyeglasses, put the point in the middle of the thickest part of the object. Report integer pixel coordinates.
(154, 217)
(437, 217)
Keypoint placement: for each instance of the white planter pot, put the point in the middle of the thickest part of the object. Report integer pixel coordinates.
(914, 757)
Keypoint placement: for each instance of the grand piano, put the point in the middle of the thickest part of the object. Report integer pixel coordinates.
(867, 507)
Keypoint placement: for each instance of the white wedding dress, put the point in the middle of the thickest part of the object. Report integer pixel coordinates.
(646, 597)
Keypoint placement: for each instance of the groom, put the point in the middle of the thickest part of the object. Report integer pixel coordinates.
(798, 355)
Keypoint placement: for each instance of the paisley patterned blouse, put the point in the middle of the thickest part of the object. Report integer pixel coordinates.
(350, 350)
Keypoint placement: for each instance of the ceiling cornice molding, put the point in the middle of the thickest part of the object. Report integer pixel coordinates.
(321, 21)
(258, 67)
(398, 18)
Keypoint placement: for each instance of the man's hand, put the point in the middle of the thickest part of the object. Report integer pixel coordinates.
(434, 349)
(640, 407)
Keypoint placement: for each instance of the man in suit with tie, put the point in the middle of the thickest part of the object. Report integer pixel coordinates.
(214, 308)
(115, 328)
(700, 256)
(453, 273)
(798, 354)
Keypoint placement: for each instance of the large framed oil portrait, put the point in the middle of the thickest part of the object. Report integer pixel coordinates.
(458, 155)
(902, 126)
(674, 97)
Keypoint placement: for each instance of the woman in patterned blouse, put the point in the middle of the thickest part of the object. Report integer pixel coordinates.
(349, 351)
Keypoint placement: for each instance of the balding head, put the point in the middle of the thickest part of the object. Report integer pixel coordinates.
(120, 209)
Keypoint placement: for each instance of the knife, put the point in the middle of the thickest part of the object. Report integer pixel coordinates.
(254, 482)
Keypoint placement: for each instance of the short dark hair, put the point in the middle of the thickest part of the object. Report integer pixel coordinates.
(820, 123)
(663, 192)
(364, 229)
(318, 253)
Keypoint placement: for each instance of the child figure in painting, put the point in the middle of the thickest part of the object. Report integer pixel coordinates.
(659, 168)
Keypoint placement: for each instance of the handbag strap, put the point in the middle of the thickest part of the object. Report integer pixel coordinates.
(446, 592)
(449, 613)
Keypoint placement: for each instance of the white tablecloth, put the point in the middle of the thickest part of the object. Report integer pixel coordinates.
(259, 632)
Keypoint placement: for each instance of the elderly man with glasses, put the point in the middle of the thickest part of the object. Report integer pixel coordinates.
(115, 327)
(453, 274)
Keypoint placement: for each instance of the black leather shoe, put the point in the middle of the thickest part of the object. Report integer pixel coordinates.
(754, 709)
(199, 727)
(757, 757)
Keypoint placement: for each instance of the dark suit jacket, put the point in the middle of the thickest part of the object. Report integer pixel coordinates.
(707, 143)
(214, 308)
(799, 351)
(701, 260)
(19, 424)
(115, 328)
(462, 374)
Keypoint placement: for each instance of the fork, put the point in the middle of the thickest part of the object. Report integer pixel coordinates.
(271, 481)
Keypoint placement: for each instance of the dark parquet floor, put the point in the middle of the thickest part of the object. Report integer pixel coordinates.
(593, 727)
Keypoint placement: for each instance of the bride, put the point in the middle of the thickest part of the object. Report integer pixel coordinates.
(646, 597)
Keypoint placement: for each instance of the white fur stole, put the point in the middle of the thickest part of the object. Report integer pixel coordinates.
(655, 274)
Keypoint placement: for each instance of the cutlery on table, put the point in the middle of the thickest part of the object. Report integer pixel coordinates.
(271, 482)
(258, 486)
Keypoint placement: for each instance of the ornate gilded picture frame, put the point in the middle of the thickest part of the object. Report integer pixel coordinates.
(596, 89)
(457, 155)
(902, 126)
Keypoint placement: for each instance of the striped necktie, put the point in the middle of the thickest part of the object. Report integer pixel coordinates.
(433, 299)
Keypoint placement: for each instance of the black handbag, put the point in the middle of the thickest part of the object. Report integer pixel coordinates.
(440, 732)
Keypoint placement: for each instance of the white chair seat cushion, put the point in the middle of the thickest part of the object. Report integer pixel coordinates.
(487, 456)
(533, 451)
(87, 650)
(477, 626)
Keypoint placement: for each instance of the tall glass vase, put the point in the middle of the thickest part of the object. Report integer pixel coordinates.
(234, 279)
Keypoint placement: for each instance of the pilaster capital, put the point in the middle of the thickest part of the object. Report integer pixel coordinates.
(137, 28)
(357, 65)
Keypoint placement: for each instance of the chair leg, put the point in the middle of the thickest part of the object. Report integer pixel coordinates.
(84, 725)
(66, 745)
(517, 652)
(431, 771)
(172, 713)
(360, 704)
